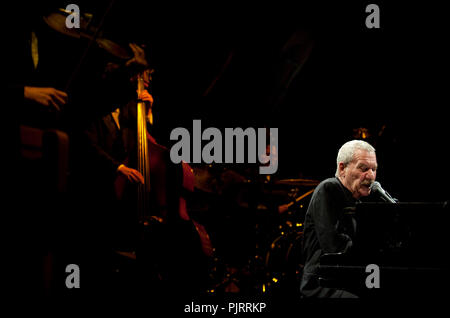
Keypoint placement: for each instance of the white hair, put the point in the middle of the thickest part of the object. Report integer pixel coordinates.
(347, 151)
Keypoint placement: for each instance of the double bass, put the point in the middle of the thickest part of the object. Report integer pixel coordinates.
(171, 245)
(160, 202)
(154, 198)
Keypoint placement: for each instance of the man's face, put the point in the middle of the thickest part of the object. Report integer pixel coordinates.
(360, 173)
(147, 76)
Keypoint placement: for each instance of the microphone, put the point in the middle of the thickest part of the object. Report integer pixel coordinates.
(376, 188)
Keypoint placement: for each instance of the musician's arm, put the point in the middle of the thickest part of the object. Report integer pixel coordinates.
(103, 159)
(99, 156)
(326, 220)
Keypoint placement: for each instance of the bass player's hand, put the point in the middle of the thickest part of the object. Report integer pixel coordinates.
(132, 175)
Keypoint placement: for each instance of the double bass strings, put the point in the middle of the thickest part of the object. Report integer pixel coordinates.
(143, 156)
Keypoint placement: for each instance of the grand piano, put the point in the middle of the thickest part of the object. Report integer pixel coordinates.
(405, 242)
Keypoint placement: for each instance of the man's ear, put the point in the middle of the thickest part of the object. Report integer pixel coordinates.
(341, 168)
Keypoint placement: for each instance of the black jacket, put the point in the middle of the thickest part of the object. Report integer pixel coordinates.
(325, 232)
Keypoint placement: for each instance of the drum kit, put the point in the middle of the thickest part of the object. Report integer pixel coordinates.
(271, 214)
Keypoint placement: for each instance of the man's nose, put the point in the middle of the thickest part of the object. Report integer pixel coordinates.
(370, 174)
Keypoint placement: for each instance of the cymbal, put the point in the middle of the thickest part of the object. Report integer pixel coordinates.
(57, 21)
(298, 182)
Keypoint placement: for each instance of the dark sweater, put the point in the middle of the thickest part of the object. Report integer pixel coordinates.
(325, 232)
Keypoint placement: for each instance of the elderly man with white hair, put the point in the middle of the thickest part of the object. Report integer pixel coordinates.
(324, 231)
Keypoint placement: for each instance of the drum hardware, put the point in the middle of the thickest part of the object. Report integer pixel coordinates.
(297, 182)
(283, 262)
